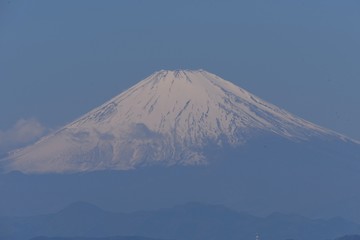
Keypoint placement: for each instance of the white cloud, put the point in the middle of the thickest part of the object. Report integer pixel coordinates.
(23, 132)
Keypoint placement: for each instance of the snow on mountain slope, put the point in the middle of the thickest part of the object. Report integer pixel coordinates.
(168, 118)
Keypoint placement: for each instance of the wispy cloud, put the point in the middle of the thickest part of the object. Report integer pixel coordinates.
(24, 131)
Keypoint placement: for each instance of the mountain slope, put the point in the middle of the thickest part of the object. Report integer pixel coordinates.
(170, 118)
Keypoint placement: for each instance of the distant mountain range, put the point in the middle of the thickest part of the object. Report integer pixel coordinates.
(92, 238)
(193, 221)
(347, 237)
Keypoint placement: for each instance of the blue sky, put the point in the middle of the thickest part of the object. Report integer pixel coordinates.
(59, 59)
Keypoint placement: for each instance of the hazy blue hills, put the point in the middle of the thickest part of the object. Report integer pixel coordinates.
(349, 237)
(100, 238)
(346, 237)
(192, 221)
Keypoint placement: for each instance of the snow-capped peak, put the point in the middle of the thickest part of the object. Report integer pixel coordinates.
(169, 118)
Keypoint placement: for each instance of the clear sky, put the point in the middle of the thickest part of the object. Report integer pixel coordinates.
(59, 59)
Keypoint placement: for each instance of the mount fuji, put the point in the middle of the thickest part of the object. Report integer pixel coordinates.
(170, 118)
(185, 136)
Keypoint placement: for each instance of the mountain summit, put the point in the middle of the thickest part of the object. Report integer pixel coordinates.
(169, 118)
